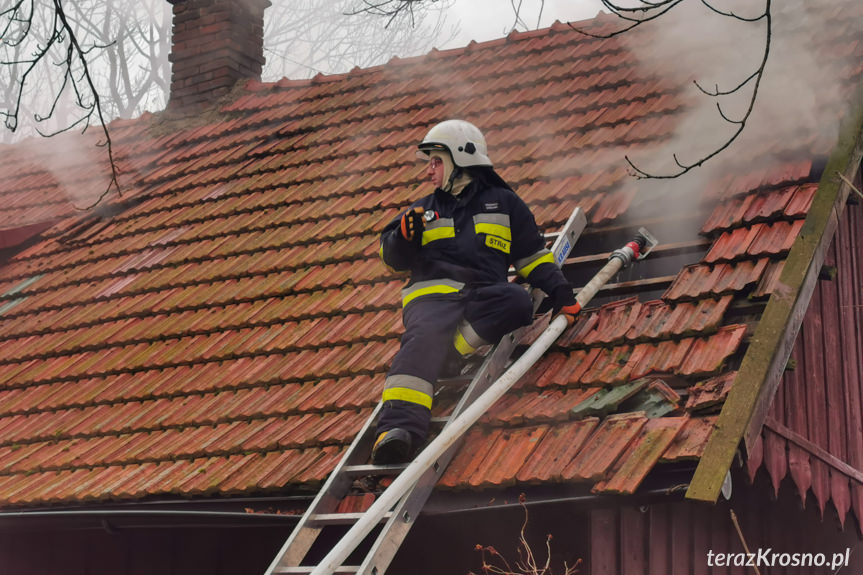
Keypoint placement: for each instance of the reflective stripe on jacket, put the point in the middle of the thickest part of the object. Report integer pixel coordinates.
(471, 239)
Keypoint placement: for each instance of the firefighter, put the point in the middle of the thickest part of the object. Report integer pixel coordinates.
(458, 244)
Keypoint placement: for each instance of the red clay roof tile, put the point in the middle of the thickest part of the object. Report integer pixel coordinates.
(658, 319)
(535, 407)
(801, 201)
(775, 238)
(604, 446)
(468, 460)
(665, 357)
(614, 321)
(699, 280)
(610, 366)
(731, 245)
(641, 456)
(769, 281)
(557, 448)
(707, 355)
(710, 392)
(691, 440)
(228, 330)
(505, 456)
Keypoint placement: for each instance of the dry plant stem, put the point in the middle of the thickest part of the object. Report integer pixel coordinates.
(850, 185)
(742, 539)
(527, 560)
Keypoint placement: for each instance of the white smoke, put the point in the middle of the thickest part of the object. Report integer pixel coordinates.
(795, 111)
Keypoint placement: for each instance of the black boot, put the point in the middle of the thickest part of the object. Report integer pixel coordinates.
(391, 447)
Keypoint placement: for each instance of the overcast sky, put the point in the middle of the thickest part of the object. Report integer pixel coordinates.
(483, 20)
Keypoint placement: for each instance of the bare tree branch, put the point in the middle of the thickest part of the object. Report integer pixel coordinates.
(516, 9)
(391, 9)
(754, 79)
(69, 65)
(649, 10)
(75, 51)
(305, 37)
(729, 13)
(59, 39)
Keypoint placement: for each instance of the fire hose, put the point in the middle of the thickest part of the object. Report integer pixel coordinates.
(618, 260)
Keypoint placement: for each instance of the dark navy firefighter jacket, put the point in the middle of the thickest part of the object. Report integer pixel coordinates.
(471, 240)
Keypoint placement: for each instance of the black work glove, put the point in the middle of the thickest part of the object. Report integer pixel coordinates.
(561, 297)
(412, 225)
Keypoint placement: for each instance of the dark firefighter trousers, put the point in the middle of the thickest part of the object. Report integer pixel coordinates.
(437, 327)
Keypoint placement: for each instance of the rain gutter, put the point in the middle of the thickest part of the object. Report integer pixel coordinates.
(586, 500)
(167, 514)
(761, 370)
(150, 513)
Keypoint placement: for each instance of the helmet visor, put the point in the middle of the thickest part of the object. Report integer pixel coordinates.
(426, 147)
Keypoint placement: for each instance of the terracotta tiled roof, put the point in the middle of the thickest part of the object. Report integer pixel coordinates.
(225, 326)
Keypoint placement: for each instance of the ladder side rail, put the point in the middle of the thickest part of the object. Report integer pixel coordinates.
(460, 424)
(336, 486)
(408, 508)
(388, 541)
(438, 446)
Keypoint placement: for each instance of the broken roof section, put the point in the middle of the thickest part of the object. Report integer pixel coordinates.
(225, 327)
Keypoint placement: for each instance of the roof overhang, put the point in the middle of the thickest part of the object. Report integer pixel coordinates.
(663, 485)
(254, 512)
(761, 370)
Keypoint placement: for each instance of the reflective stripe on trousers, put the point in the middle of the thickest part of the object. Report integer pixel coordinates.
(467, 340)
(408, 388)
(430, 327)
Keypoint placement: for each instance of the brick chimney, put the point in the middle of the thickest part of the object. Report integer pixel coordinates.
(216, 43)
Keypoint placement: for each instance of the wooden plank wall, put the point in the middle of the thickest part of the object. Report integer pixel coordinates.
(613, 536)
(62, 549)
(819, 399)
(675, 538)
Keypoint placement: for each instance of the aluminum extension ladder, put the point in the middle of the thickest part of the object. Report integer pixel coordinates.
(353, 466)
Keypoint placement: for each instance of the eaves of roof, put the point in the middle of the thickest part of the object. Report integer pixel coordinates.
(225, 329)
(761, 369)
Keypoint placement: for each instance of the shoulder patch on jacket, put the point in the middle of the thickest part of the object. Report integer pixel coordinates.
(491, 206)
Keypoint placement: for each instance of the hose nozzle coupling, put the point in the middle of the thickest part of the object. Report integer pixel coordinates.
(638, 248)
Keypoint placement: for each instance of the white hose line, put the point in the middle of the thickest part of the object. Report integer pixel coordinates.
(456, 428)
(600, 279)
(449, 435)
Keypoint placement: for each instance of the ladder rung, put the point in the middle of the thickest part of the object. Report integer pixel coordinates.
(361, 470)
(455, 380)
(479, 374)
(309, 568)
(440, 420)
(321, 519)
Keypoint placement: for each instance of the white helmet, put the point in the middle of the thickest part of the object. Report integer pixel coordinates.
(461, 139)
